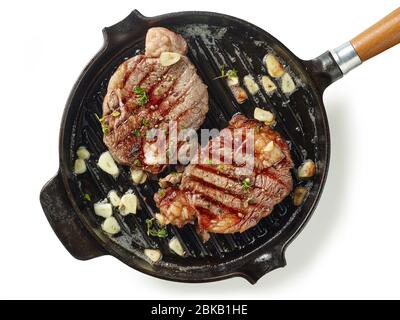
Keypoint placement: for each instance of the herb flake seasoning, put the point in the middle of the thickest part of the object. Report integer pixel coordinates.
(141, 95)
(246, 184)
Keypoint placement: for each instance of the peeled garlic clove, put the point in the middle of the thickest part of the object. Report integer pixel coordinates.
(103, 209)
(169, 58)
(175, 246)
(268, 85)
(143, 180)
(153, 254)
(79, 166)
(269, 147)
(251, 85)
(107, 164)
(83, 153)
(299, 195)
(263, 115)
(114, 198)
(138, 176)
(275, 68)
(111, 226)
(232, 81)
(128, 204)
(288, 85)
(306, 170)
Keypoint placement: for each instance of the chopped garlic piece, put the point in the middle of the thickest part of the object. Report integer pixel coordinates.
(83, 153)
(111, 226)
(250, 84)
(107, 164)
(288, 85)
(79, 166)
(176, 246)
(169, 58)
(103, 209)
(153, 254)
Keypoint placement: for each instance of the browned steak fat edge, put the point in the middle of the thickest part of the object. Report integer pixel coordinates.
(223, 197)
(142, 95)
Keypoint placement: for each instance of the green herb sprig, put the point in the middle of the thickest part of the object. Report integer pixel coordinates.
(104, 126)
(153, 231)
(232, 73)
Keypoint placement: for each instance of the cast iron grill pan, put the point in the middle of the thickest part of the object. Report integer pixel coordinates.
(214, 41)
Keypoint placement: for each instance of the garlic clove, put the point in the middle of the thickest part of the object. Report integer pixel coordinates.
(138, 176)
(143, 180)
(153, 254)
(111, 226)
(306, 170)
(274, 67)
(103, 209)
(299, 195)
(114, 198)
(107, 164)
(128, 204)
(250, 84)
(79, 166)
(175, 245)
(83, 153)
(232, 81)
(169, 58)
(288, 85)
(263, 115)
(268, 85)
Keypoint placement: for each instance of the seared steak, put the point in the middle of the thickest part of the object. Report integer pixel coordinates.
(143, 94)
(228, 198)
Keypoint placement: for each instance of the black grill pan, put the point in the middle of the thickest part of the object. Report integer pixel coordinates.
(214, 40)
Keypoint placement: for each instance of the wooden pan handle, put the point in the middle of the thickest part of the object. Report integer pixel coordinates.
(378, 38)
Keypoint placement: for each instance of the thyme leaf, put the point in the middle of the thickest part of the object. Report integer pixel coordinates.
(155, 232)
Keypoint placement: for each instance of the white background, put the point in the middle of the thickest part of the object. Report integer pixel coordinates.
(349, 249)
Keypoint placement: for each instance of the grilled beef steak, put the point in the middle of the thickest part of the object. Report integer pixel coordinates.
(228, 198)
(143, 94)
